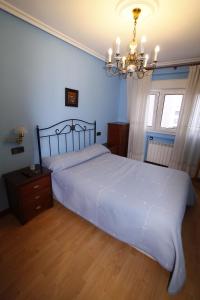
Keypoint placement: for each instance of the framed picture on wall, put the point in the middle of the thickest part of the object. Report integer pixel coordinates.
(71, 97)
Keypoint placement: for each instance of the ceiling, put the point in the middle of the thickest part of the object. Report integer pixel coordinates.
(93, 25)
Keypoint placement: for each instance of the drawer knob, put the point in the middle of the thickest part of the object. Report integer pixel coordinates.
(38, 207)
(37, 197)
(36, 186)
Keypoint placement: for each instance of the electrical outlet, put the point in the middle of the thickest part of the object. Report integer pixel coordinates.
(17, 150)
(98, 133)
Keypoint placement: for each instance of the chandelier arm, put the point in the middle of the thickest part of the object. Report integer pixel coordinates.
(114, 71)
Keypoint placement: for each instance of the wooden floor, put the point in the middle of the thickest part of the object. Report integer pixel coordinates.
(58, 255)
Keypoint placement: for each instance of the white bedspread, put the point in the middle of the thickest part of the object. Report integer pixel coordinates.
(140, 204)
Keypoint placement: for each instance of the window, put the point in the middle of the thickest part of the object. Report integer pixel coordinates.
(171, 111)
(163, 110)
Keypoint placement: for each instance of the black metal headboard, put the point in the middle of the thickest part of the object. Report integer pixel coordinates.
(67, 135)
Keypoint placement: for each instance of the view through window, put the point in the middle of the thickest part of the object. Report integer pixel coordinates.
(163, 110)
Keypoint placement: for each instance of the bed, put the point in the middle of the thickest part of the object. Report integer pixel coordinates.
(137, 203)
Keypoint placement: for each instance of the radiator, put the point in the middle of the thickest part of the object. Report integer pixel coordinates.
(159, 152)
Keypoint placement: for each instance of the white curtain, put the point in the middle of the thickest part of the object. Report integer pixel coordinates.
(137, 92)
(186, 152)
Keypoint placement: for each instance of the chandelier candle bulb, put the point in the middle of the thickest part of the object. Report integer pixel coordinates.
(109, 55)
(143, 41)
(123, 62)
(118, 45)
(157, 49)
(132, 48)
(146, 60)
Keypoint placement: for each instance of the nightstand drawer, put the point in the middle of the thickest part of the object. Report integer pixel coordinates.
(36, 203)
(35, 186)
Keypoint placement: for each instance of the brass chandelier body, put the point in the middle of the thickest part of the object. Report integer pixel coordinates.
(135, 63)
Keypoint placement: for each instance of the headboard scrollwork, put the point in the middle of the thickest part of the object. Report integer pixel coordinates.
(67, 135)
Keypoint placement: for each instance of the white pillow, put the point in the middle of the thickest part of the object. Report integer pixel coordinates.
(62, 161)
(94, 151)
(70, 159)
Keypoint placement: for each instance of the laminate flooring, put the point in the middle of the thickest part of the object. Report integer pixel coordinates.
(60, 256)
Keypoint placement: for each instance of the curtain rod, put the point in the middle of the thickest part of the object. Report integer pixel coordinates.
(179, 65)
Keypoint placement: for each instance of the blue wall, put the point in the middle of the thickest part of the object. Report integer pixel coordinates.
(35, 68)
(170, 73)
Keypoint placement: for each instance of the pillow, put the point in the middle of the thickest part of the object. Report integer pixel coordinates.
(70, 159)
(94, 151)
(62, 161)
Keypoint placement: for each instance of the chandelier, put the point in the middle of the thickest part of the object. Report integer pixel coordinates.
(136, 62)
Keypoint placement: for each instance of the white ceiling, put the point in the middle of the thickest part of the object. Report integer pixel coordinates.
(93, 25)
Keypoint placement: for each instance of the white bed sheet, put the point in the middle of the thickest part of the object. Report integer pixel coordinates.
(140, 204)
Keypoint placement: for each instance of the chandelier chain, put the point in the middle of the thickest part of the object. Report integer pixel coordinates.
(134, 30)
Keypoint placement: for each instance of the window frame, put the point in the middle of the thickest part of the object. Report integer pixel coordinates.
(159, 106)
(157, 94)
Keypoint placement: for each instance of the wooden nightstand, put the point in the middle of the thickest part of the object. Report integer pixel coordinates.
(118, 138)
(29, 192)
(113, 149)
